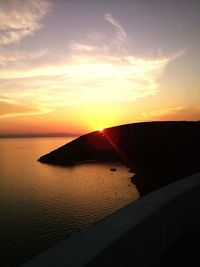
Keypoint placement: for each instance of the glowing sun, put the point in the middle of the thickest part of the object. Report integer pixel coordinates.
(100, 129)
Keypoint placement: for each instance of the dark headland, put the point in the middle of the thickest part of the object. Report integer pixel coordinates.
(158, 153)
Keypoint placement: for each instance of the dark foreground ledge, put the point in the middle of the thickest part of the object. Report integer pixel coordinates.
(159, 153)
(137, 235)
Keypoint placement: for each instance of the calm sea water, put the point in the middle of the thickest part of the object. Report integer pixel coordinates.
(42, 204)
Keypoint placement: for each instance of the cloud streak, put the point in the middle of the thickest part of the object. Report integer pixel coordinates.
(121, 34)
(82, 47)
(11, 110)
(11, 57)
(88, 74)
(174, 113)
(21, 18)
(85, 79)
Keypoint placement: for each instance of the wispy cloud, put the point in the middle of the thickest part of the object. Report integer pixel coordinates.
(174, 113)
(82, 47)
(11, 110)
(13, 57)
(90, 73)
(20, 18)
(97, 36)
(121, 34)
(85, 79)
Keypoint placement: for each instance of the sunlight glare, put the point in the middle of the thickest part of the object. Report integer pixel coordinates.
(100, 129)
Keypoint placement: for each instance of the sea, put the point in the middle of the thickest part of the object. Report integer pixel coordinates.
(41, 204)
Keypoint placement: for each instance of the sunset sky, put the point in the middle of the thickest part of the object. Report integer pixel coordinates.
(77, 65)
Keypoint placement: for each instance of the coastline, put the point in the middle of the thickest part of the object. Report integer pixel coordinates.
(145, 148)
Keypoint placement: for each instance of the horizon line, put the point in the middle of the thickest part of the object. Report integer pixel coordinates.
(29, 135)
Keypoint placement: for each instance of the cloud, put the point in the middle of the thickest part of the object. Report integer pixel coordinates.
(174, 113)
(88, 74)
(11, 110)
(85, 79)
(97, 36)
(121, 34)
(82, 47)
(12, 57)
(20, 18)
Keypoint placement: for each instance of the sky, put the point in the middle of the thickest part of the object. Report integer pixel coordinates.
(77, 65)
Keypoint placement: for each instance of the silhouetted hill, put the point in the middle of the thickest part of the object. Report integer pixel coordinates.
(158, 152)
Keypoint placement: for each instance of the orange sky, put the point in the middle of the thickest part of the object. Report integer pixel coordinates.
(71, 67)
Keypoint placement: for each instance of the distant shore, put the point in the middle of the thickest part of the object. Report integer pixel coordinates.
(38, 135)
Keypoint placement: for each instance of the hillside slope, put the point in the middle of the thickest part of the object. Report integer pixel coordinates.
(158, 152)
